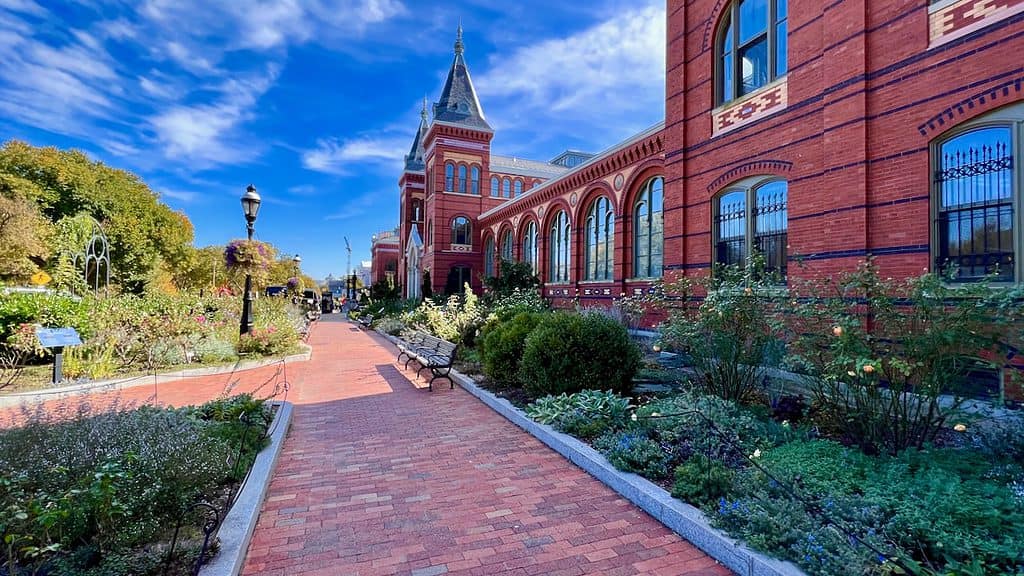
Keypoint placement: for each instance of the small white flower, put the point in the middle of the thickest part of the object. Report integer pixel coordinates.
(757, 453)
(655, 414)
(633, 417)
(785, 423)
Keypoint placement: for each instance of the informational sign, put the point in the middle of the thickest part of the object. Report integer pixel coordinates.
(58, 337)
(41, 278)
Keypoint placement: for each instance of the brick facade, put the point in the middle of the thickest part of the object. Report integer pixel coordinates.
(850, 125)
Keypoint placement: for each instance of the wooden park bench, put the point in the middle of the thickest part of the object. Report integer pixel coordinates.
(430, 353)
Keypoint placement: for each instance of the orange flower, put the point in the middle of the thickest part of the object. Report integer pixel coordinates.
(837, 331)
(868, 368)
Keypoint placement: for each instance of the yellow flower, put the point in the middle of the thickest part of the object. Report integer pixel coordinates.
(960, 428)
(837, 331)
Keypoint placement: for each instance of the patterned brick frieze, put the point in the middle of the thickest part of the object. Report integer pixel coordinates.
(948, 21)
(769, 100)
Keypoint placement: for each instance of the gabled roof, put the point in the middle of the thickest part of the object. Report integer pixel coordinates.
(415, 240)
(414, 159)
(512, 165)
(459, 104)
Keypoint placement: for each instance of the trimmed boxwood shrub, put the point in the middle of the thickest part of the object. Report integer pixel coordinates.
(567, 353)
(503, 347)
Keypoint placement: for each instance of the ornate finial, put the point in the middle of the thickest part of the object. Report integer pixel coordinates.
(458, 40)
(423, 112)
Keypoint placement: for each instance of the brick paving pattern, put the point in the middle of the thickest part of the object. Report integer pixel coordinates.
(379, 476)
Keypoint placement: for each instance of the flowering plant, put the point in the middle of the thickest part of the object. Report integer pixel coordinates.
(293, 283)
(248, 256)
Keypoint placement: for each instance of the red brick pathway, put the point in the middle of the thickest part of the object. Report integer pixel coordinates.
(380, 476)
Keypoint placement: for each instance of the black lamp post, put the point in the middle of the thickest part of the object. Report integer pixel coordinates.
(251, 207)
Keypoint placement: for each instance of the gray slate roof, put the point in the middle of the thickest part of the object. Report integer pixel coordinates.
(459, 103)
(414, 161)
(511, 165)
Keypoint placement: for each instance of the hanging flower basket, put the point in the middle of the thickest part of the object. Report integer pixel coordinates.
(294, 283)
(248, 256)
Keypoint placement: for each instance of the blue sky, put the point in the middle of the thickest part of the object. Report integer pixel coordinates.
(315, 101)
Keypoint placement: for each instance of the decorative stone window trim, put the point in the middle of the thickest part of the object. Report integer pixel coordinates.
(768, 100)
(952, 19)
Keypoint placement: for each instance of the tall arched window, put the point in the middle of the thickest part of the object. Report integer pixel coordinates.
(430, 233)
(417, 211)
(648, 230)
(474, 187)
(495, 187)
(529, 254)
(519, 188)
(489, 257)
(461, 231)
(749, 216)
(507, 246)
(751, 47)
(558, 249)
(462, 178)
(449, 177)
(599, 238)
(975, 192)
(506, 188)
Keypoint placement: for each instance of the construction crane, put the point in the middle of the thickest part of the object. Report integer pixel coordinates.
(350, 277)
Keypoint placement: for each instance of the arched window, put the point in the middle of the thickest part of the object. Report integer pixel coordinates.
(475, 180)
(462, 178)
(417, 211)
(749, 216)
(489, 257)
(648, 230)
(507, 246)
(461, 231)
(599, 238)
(495, 187)
(558, 249)
(751, 47)
(535, 184)
(506, 188)
(519, 188)
(449, 177)
(430, 233)
(529, 254)
(976, 192)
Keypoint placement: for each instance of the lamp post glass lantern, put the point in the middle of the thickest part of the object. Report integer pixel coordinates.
(250, 207)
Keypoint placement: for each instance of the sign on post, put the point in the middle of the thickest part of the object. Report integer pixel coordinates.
(57, 339)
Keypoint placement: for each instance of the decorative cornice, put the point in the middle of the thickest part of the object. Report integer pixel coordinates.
(757, 165)
(981, 101)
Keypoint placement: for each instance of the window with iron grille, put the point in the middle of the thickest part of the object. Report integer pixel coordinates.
(752, 216)
(974, 187)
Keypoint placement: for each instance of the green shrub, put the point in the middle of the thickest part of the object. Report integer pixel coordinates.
(634, 451)
(503, 346)
(517, 301)
(822, 466)
(567, 353)
(702, 481)
(709, 426)
(46, 309)
(214, 349)
(88, 489)
(586, 414)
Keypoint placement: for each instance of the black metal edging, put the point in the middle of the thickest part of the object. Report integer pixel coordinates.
(681, 518)
(236, 530)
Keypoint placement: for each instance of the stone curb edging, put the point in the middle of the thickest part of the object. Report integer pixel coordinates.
(46, 394)
(238, 525)
(682, 518)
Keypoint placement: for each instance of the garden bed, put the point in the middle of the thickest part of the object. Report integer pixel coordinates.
(125, 491)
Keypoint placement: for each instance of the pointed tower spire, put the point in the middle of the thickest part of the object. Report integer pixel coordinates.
(414, 159)
(459, 103)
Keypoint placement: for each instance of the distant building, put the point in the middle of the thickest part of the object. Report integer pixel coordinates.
(365, 272)
(385, 254)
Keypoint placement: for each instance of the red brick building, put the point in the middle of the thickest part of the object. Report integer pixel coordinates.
(819, 131)
(385, 254)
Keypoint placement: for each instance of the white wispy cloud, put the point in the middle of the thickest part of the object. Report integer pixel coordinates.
(608, 76)
(344, 157)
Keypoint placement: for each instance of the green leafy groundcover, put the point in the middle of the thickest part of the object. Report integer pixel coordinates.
(99, 494)
(831, 509)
